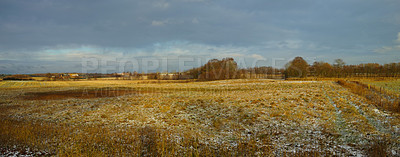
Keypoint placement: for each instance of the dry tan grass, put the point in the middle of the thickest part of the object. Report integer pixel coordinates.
(375, 96)
(218, 118)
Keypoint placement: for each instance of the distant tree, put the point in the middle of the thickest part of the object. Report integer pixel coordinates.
(297, 68)
(230, 67)
(338, 67)
(157, 76)
(195, 72)
(216, 69)
(49, 76)
(326, 70)
(322, 69)
(227, 69)
(18, 77)
(339, 63)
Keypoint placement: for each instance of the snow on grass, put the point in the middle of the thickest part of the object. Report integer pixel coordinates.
(289, 116)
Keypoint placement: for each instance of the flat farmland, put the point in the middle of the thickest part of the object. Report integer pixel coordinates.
(216, 118)
(390, 85)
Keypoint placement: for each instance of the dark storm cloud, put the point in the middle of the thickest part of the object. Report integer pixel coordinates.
(39, 30)
(128, 23)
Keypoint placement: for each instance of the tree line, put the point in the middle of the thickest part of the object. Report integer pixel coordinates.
(227, 69)
(298, 67)
(18, 77)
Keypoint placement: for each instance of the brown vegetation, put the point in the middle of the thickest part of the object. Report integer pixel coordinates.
(18, 77)
(74, 140)
(79, 94)
(297, 68)
(379, 147)
(227, 69)
(300, 69)
(218, 118)
(379, 97)
(216, 70)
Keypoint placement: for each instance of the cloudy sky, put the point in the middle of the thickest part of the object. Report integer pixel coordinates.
(38, 36)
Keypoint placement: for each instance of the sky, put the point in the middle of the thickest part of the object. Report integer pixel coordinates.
(40, 36)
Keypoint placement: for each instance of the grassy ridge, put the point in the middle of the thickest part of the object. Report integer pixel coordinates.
(380, 98)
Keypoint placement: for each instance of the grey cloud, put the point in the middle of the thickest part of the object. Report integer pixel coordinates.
(307, 27)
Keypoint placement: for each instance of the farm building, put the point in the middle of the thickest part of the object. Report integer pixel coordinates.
(73, 76)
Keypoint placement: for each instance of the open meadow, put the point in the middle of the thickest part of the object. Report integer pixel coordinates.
(242, 117)
(389, 85)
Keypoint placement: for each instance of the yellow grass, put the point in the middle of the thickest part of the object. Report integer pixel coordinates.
(218, 118)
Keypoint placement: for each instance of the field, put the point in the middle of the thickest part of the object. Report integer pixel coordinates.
(256, 117)
(390, 85)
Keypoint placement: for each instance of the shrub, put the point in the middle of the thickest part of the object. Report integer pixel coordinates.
(18, 77)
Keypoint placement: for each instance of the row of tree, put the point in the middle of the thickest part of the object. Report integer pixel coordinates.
(298, 67)
(227, 69)
(17, 77)
(215, 69)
